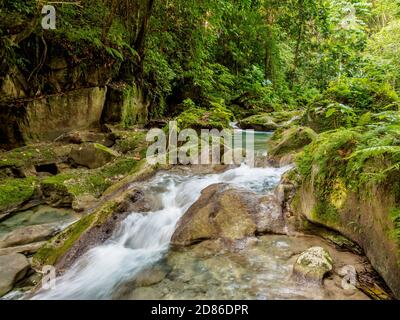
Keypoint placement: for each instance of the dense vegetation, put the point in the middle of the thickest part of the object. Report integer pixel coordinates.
(323, 74)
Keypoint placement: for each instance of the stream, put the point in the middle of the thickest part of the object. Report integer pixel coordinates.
(137, 262)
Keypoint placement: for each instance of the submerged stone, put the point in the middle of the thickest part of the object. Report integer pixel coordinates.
(312, 265)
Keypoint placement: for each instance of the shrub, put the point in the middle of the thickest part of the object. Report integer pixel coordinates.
(363, 94)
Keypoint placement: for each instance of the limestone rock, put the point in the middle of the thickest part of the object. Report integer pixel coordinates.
(24, 249)
(284, 145)
(12, 269)
(92, 155)
(49, 117)
(228, 213)
(312, 265)
(28, 235)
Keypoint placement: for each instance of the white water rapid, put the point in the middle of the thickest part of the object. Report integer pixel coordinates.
(143, 239)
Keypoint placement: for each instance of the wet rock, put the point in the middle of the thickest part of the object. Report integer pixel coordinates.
(28, 235)
(312, 265)
(12, 269)
(150, 277)
(229, 213)
(145, 293)
(284, 145)
(27, 249)
(262, 122)
(84, 202)
(92, 155)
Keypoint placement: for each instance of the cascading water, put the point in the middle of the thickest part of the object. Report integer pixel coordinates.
(143, 239)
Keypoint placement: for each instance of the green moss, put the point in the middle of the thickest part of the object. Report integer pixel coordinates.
(217, 116)
(33, 155)
(132, 142)
(261, 122)
(395, 216)
(325, 212)
(358, 160)
(81, 181)
(57, 247)
(16, 191)
(291, 140)
(104, 148)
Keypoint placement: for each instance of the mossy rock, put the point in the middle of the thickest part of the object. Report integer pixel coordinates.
(312, 265)
(261, 122)
(57, 247)
(284, 118)
(95, 227)
(92, 155)
(131, 142)
(287, 143)
(363, 94)
(217, 116)
(63, 189)
(22, 161)
(16, 192)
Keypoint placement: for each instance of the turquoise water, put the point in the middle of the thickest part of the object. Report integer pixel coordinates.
(36, 216)
(260, 140)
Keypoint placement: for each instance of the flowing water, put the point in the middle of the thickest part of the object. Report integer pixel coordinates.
(257, 268)
(143, 239)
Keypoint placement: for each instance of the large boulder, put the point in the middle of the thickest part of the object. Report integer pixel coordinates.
(312, 265)
(284, 145)
(92, 155)
(12, 269)
(262, 122)
(30, 234)
(229, 213)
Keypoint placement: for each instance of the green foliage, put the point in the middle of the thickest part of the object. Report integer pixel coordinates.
(395, 216)
(363, 94)
(361, 158)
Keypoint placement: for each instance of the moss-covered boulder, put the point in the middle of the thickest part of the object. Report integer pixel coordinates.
(271, 121)
(363, 94)
(312, 265)
(328, 115)
(350, 183)
(285, 144)
(92, 155)
(64, 189)
(262, 122)
(132, 142)
(91, 230)
(29, 160)
(15, 193)
(217, 116)
(223, 212)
